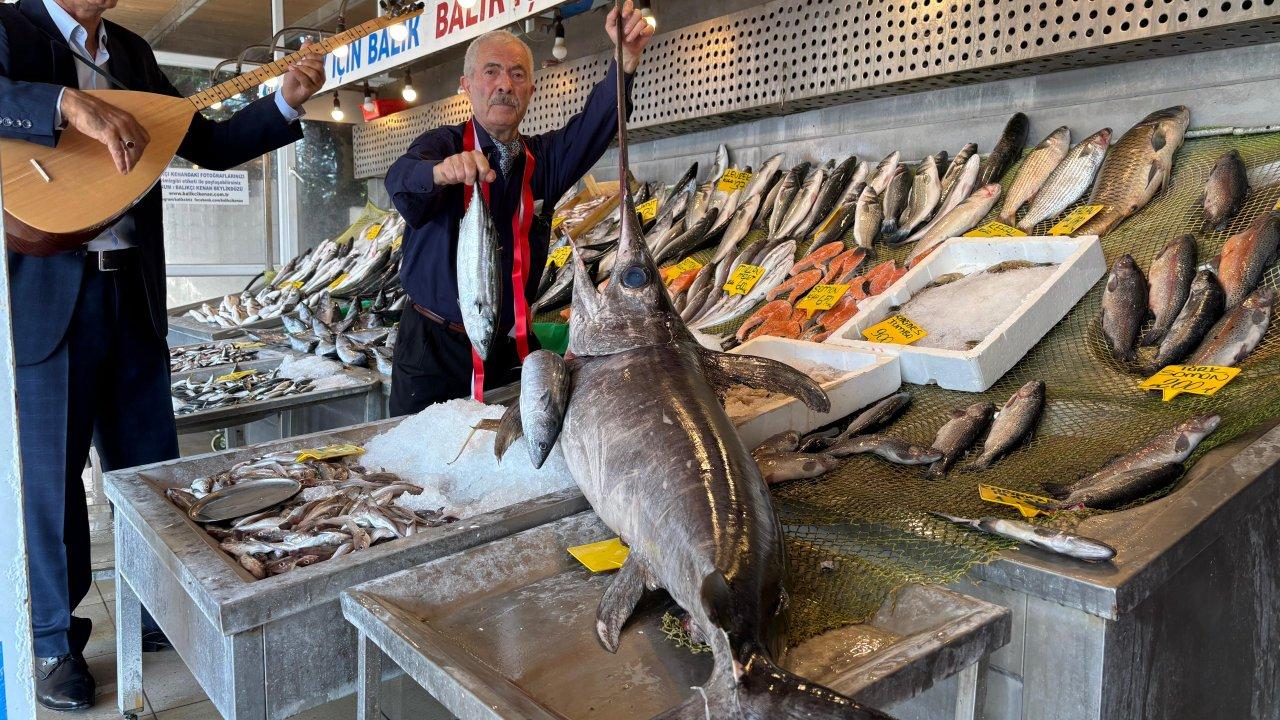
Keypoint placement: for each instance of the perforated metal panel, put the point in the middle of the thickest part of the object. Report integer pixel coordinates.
(787, 57)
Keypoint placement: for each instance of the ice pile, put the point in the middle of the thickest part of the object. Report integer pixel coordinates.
(961, 314)
(327, 373)
(422, 449)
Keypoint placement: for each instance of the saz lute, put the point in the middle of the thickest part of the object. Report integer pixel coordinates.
(56, 199)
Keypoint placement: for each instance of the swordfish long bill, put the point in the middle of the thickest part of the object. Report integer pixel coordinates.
(650, 445)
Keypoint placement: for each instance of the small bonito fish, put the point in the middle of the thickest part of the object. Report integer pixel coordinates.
(1014, 425)
(479, 278)
(1238, 333)
(1170, 278)
(1202, 310)
(1040, 163)
(1225, 191)
(958, 434)
(1070, 180)
(1053, 541)
(1124, 305)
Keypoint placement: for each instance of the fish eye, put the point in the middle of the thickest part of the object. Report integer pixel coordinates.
(635, 277)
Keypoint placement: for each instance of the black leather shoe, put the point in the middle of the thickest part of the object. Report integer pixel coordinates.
(154, 641)
(64, 683)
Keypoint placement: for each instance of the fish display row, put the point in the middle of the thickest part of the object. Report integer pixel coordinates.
(191, 396)
(363, 337)
(198, 357)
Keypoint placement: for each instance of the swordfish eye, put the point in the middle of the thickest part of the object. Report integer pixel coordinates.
(635, 277)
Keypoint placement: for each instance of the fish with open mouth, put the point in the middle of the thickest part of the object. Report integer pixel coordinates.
(1047, 539)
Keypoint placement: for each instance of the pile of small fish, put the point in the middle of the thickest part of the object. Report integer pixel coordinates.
(363, 266)
(198, 357)
(359, 512)
(192, 396)
(361, 338)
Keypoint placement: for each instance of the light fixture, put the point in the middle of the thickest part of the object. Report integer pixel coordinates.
(408, 93)
(368, 105)
(336, 113)
(642, 6)
(559, 51)
(341, 51)
(399, 32)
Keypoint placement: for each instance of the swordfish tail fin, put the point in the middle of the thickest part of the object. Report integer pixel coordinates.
(765, 691)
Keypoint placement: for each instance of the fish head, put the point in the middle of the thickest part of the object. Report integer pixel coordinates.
(1202, 425)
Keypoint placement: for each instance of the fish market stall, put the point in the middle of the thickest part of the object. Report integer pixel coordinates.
(222, 354)
(245, 639)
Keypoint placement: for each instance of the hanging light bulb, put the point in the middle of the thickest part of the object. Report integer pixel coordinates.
(368, 105)
(408, 93)
(399, 32)
(336, 113)
(341, 51)
(559, 51)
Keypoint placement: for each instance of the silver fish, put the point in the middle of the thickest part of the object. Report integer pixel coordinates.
(1040, 163)
(895, 199)
(879, 179)
(892, 449)
(1201, 312)
(1225, 191)
(879, 414)
(958, 434)
(867, 218)
(763, 179)
(1138, 166)
(801, 205)
(722, 163)
(960, 192)
(832, 190)
(1014, 425)
(1124, 304)
(1069, 180)
(1170, 279)
(1115, 489)
(544, 389)
(1049, 540)
(959, 221)
(835, 227)
(691, 239)
(743, 219)
(1238, 333)
(781, 466)
(785, 196)
(479, 277)
(926, 192)
(956, 169)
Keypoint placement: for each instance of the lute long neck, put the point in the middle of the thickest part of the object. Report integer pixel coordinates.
(263, 73)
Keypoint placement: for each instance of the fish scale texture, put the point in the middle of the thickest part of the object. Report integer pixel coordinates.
(862, 531)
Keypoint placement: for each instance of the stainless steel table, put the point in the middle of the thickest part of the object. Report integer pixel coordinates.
(184, 330)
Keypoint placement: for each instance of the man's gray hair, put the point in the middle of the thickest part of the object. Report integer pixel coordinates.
(506, 36)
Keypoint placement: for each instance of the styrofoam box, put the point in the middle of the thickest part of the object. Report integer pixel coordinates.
(1080, 265)
(871, 376)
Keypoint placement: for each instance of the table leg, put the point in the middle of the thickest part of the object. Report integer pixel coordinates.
(369, 679)
(128, 646)
(971, 692)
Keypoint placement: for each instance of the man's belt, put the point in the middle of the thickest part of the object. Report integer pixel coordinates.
(112, 260)
(450, 326)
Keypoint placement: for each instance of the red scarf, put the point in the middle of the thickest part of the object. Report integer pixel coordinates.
(521, 223)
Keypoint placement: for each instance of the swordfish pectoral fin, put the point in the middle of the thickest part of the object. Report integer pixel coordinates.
(509, 431)
(724, 370)
(619, 601)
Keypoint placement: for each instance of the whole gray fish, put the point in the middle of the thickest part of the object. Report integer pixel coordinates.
(1047, 539)
(1238, 333)
(544, 388)
(670, 214)
(879, 414)
(959, 221)
(1006, 151)
(692, 238)
(787, 188)
(940, 160)
(721, 164)
(1174, 445)
(832, 190)
(777, 264)
(688, 181)
(1069, 180)
(961, 191)
(1246, 256)
(658, 240)
(780, 466)
(557, 294)
(1115, 489)
(880, 177)
(1225, 190)
(1014, 425)
(1124, 305)
(765, 216)
(743, 219)
(869, 212)
(895, 200)
(1201, 312)
(785, 441)
(801, 205)
(705, 531)
(956, 169)
(899, 452)
(836, 226)
(958, 434)
(1136, 168)
(926, 192)
(763, 179)
(1041, 161)
(1170, 279)
(479, 277)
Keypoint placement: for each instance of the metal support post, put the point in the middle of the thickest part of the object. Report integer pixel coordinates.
(369, 679)
(286, 184)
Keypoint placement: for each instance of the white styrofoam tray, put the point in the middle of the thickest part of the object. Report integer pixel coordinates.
(870, 377)
(1080, 265)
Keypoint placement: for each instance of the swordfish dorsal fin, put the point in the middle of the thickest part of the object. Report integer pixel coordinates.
(723, 370)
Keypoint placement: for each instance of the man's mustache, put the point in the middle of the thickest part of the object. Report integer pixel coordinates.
(504, 99)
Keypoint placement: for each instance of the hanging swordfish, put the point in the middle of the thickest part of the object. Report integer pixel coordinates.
(648, 441)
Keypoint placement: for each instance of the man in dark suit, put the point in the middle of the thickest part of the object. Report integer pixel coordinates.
(89, 325)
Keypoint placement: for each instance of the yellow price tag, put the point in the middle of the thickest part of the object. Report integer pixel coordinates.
(822, 297)
(896, 330)
(249, 345)
(648, 210)
(1174, 380)
(239, 375)
(341, 279)
(733, 180)
(1075, 219)
(328, 452)
(671, 272)
(373, 231)
(743, 279)
(601, 556)
(395, 244)
(559, 256)
(995, 228)
(1277, 207)
(296, 285)
(556, 222)
(1027, 504)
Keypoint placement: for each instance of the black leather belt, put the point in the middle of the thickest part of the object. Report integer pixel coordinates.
(112, 260)
(450, 326)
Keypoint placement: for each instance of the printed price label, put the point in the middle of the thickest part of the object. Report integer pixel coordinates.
(559, 256)
(296, 285)
(671, 272)
(238, 375)
(340, 279)
(733, 180)
(249, 345)
(373, 231)
(601, 556)
(822, 297)
(1075, 219)
(328, 452)
(556, 222)
(743, 279)
(1027, 504)
(395, 244)
(897, 330)
(648, 210)
(1174, 380)
(995, 228)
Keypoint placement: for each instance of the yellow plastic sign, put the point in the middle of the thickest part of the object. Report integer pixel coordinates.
(822, 297)
(295, 284)
(733, 180)
(743, 279)
(557, 221)
(341, 279)
(1174, 380)
(559, 256)
(238, 375)
(249, 345)
(1027, 504)
(395, 244)
(1075, 219)
(671, 272)
(995, 228)
(373, 231)
(328, 452)
(601, 556)
(648, 210)
(896, 330)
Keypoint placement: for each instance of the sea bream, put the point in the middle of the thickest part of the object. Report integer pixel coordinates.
(1137, 167)
(688, 500)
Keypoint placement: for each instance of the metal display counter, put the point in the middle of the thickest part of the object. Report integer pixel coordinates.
(253, 644)
(184, 330)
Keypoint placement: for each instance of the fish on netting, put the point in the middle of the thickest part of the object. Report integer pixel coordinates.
(1136, 168)
(1070, 180)
(1246, 256)
(1170, 276)
(1013, 426)
(1238, 333)
(1057, 542)
(1035, 170)
(895, 450)
(1224, 191)
(958, 434)
(1202, 310)
(1124, 306)
(1007, 150)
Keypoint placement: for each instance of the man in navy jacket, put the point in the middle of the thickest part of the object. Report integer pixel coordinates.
(89, 325)
(433, 357)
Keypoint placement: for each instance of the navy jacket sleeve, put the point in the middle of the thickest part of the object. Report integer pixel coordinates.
(26, 102)
(571, 151)
(411, 178)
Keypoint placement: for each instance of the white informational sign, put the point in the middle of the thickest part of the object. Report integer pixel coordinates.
(184, 186)
(442, 24)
